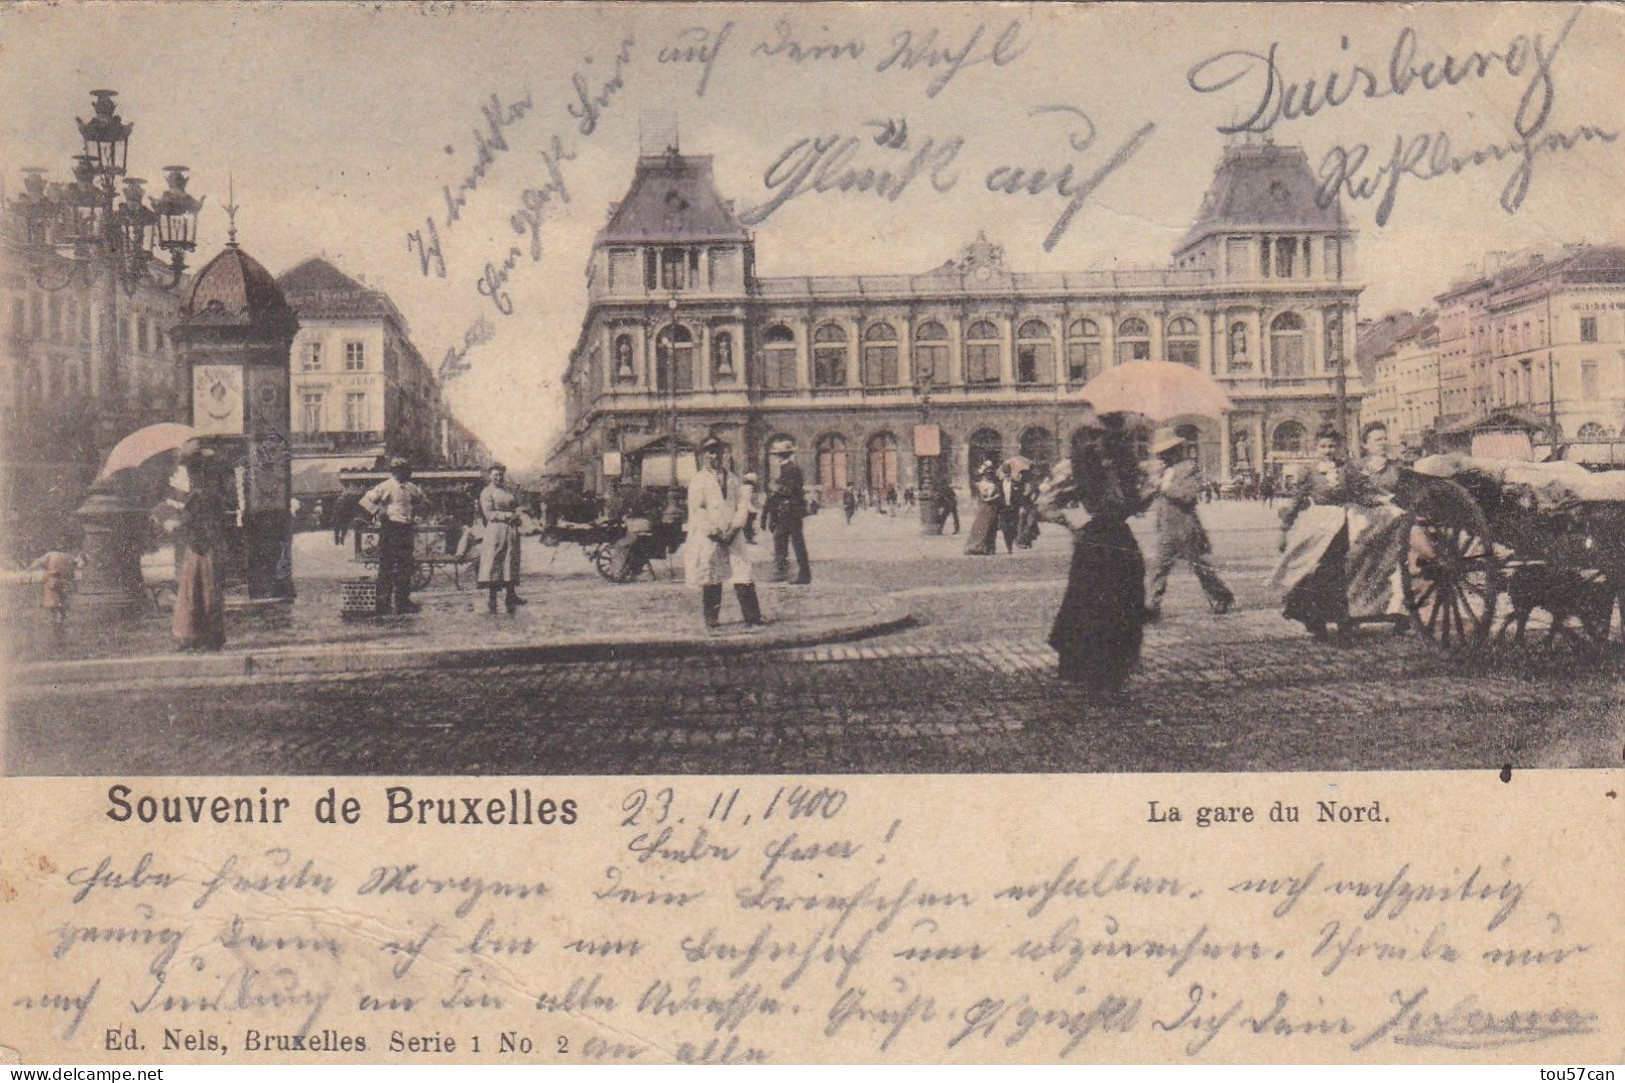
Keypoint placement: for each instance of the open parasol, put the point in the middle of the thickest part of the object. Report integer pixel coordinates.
(1158, 389)
(144, 445)
(1017, 463)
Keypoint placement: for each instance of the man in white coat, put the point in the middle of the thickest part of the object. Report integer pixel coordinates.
(719, 507)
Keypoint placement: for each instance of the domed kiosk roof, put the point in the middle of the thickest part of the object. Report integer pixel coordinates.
(235, 289)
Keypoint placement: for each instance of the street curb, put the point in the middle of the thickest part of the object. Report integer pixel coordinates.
(343, 658)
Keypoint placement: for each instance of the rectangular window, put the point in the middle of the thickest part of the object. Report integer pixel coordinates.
(1331, 258)
(1082, 361)
(355, 356)
(1588, 379)
(312, 361)
(1184, 352)
(1264, 257)
(781, 367)
(1588, 328)
(310, 414)
(931, 364)
(724, 268)
(674, 263)
(623, 270)
(1284, 249)
(651, 266)
(1134, 350)
(982, 363)
(1236, 253)
(355, 411)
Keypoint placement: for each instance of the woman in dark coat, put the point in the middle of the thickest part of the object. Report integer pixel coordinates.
(199, 620)
(1098, 631)
(984, 529)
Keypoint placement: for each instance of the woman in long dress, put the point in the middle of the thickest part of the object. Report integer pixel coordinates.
(1378, 536)
(199, 620)
(984, 529)
(500, 546)
(1098, 631)
(1312, 571)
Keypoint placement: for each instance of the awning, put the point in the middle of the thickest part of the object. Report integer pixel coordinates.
(322, 478)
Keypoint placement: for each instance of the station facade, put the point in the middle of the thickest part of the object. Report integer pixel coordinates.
(883, 380)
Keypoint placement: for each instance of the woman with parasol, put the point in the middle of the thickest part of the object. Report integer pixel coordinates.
(1098, 631)
(199, 620)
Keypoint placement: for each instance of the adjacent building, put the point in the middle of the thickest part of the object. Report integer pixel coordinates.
(82, 364)
(883, 378)
(361, 389)
(1538, 335)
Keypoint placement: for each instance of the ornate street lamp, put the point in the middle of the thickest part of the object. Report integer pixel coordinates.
(74, 228)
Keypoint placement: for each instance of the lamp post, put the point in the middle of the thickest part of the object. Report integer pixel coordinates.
(674, 511)
(81, 230)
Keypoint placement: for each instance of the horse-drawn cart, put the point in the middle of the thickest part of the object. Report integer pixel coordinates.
(1542, 545)
(620, 550)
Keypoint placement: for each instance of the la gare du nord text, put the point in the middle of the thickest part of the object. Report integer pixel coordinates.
(518, 808)
(1326, 812)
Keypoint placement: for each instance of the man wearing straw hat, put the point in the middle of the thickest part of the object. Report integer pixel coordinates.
(1179, 532)
(787, 507)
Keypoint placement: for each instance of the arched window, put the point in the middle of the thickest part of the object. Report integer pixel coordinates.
(880, 356)
(1287, 345)
(882, 473)
(986, 446)
(674, 359)
(1082, 351)
(1038, 445)
(931, 354)
(722, 357)
(779, 357)
(831, 459)
(982, 353)
(1236, 347)
(829, 356)
(1290, 439)
(1035, 353)
(1133, 340)
(625, 370)
(1591, 430)
(1183, 346)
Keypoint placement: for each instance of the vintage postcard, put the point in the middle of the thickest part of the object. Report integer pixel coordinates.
(766, 533)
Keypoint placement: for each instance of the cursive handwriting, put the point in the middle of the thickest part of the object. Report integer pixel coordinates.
(589, 106)
(489, 141)
(912, 50)
(1277, 98)
(830, 163)
(697, 45)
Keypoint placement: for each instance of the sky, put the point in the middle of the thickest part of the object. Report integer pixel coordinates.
(342, 126)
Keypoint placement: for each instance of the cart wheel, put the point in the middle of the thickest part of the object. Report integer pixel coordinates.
(422, 575)
(602, 559)
(1560, 612)
(1450, 575)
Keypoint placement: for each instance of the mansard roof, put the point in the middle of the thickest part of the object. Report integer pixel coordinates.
(1262, 186)
(673, 198)
(320, 290)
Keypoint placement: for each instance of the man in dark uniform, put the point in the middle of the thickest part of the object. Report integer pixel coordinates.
(787, 507)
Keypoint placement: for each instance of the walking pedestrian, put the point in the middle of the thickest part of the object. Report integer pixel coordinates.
(786, 510)
(199, 620)
(947, 505)
(908, 497)
(500, 545)
(396, 502)
(983, 540)
(1011, 493)
(1098, 631)
(344, 513)
(1180, 535)
(719, 504)
(849, 504)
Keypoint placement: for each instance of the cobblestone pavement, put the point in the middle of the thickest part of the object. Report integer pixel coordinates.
(970, 689)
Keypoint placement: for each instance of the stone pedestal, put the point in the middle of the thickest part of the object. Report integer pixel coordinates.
(115, 535)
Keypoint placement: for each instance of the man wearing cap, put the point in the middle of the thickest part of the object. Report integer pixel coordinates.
(1179, 532)
(719, 506)
(786, 508)
(396, 502)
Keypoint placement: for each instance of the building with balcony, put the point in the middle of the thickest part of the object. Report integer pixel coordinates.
(974, 358)
(82, 364)
(360, 388)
